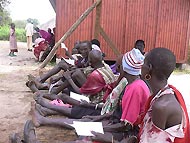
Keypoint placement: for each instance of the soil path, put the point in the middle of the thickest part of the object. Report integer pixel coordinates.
(15, 97)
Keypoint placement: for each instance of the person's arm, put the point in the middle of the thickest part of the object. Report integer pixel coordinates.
(118, 127)
(97, 118)
(108, 138)
(68, 54)
(67, 76)
(74, 86)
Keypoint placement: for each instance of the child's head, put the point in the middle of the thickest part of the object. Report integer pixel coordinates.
(84, 48)
(74, 51)
(139, 44)
(95, 42)
(95, 58)
(12, 25)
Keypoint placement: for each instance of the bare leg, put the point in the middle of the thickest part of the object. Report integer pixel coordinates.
(60, 87)
(46, 95)
(67, 99)
(62, 65)
(64, 97)
(39, 120)
(45, 111)
(32, 86)
(38, 84)
(61, 109)
(79, 76)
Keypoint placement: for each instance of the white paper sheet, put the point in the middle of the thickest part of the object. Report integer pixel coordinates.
(79, 97)
(69, 61)
(85, 128)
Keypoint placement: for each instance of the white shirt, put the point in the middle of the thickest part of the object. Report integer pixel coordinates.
(29, 29)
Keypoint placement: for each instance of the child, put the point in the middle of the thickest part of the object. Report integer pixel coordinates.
(12, 40)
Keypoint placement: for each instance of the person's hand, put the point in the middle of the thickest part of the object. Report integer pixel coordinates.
(132, 139)
(106, 138)
(67, 75)
(54, 79)
(84, 103)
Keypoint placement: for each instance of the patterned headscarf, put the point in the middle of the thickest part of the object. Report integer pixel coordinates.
(132, 62)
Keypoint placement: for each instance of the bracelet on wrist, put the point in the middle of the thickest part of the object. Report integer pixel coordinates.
(96, 106)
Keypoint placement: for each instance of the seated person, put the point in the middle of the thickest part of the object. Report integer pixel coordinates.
(44, 34)
(84, 49)
(75, 55)
(166, 118)
(139, 44)
(123, 120)
(97, 86)
(39, 46)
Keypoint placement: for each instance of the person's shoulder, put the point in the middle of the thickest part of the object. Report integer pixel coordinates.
(166, 104)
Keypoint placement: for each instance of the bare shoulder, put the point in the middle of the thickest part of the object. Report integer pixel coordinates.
(168, 110)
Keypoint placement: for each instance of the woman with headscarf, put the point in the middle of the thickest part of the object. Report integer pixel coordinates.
(165, 119)
(132, 104)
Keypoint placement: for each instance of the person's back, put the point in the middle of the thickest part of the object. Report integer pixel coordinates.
(166, 118)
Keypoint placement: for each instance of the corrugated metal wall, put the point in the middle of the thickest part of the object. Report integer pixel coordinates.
(67, 12)
(160, 23)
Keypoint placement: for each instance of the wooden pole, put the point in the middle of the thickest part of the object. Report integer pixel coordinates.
(68, 33)
(97, 22)
(109, 41)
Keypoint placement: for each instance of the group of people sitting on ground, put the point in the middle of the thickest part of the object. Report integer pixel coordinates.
(136, 105)
(43, 44)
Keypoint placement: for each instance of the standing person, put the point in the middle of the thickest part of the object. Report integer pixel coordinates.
(29, 33)
(12, 39)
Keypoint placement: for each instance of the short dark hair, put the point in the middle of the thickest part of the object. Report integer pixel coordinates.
(95, 42)
(88, 43)
(163, 62)
(140, 41)
(96, 56)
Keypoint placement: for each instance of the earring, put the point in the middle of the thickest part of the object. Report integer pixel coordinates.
(147, 77)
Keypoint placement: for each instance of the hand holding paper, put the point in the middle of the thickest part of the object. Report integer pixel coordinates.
(86, 128)
(79, 97)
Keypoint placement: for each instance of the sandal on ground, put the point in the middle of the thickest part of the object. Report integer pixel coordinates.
(29, 130)
(15, 138)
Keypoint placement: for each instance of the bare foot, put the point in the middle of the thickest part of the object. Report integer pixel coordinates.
(37, 82)
(42, 101)
(40, 110)
(36, 95)
(45, 111)
(36, 117)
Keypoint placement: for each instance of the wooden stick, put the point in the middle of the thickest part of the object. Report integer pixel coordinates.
(97, 22)
(109, 41)
(68, 33)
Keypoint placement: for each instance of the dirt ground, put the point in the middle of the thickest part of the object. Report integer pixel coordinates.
(15, 97)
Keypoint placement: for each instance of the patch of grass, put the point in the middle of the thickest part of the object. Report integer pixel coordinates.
(178, 71)
(4, 34)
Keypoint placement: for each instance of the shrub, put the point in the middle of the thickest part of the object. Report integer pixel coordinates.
(4, 34)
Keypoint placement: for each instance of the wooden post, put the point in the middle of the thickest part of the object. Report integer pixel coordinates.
(68, 33)
(109, 41)
(97, 22)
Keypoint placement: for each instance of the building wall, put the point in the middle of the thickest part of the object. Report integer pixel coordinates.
(160, 23)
